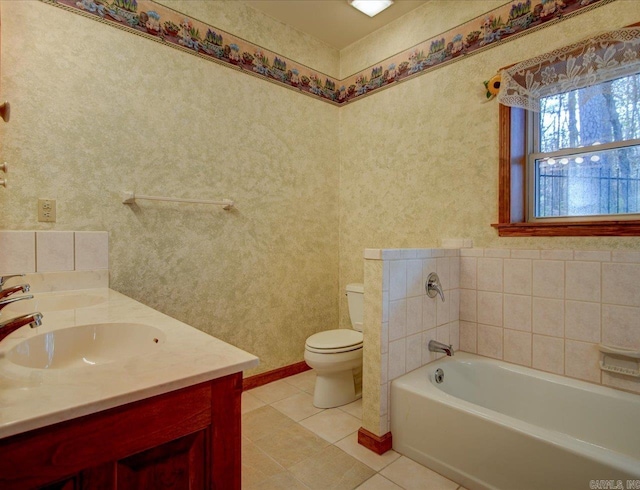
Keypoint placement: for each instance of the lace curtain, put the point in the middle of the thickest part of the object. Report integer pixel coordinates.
(599, 59)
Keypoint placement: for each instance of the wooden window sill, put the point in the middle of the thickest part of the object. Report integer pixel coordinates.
(573, 228)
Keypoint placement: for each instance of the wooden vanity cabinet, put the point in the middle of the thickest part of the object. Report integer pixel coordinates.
(185, 439)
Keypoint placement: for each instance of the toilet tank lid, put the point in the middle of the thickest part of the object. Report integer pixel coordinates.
(355, 287)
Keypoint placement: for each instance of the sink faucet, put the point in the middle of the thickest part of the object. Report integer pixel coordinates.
(32, 319)
(435, 346)
(4, 279)
(8, 301)
(23, 288)
(433, 286)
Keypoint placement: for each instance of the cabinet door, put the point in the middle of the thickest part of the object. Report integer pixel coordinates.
(176, 465)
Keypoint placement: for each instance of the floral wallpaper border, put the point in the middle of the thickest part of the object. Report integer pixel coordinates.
(167, 26)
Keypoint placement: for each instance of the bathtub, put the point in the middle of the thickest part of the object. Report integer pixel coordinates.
(490, 424)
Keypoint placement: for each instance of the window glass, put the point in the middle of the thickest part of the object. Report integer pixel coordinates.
(586, 158)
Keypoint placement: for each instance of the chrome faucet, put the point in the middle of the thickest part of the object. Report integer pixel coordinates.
(435, 346)
(8, 301)
(23, 288)
(433, 286)
(32, 319)
(4, 279)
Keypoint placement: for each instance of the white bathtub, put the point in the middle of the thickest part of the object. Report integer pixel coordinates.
(491, 424)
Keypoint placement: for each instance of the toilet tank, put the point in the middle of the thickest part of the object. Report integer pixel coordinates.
(355, 297)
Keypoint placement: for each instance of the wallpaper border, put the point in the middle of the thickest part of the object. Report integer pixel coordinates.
(164, 25)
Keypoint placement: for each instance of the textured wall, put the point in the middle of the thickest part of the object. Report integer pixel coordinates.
(419, 162)
(96, 111)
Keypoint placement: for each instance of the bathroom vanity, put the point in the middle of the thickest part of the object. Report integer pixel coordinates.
(156, 406)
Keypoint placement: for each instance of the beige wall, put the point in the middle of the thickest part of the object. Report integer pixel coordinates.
(403, 168)
(419, 162)
(96, 111)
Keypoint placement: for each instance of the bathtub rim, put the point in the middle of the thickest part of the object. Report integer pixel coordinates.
(617, 460)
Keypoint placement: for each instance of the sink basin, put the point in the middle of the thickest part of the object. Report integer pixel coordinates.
(54, 302)
(87, 345)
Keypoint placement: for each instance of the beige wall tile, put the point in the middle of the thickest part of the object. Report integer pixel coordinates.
(454, 335)
(525, 254)
(497, 252)
(620, 381)
(468, 337)
(415, 286)
(442, 269)
(91, 250)
(54, 251)
(581, 360)
(620, 284)
(454, 273)
(517, 312)
(490, 274)
(490, 308)
(552, 254)
(582, 321)
(442, 311)
(397, 319)
(517, 276)
(517, 347)
(397, 279)
(17, 252)
(414, 314)
(592, 255)
(429, 306)
(621, 326)
(583, 281)
(548, 354)
(397, 358)
(548, 278)
(548, 316)
(468, 305)
(468, 267)
(413, 352)
(625, 256)
(454, 304)
(490, 341)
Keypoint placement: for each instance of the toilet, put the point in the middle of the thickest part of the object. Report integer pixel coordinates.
(336, 357)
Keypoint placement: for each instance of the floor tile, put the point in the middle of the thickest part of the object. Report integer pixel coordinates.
(305, 381)
(298, 407)
(263, 421)
(275, 391)
(375, 461)
(332, 424)
(413, 476)
(256, 465)
(378, 482)
(353, 408)
(332, 468)
(250, 402)
(284, 481)
(291, 444)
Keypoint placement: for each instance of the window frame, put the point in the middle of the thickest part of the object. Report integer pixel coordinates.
(512, 193)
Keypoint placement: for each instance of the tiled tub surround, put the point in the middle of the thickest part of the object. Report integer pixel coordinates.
(546, 309)
(400, 320)
(549, 309)
(53, 251)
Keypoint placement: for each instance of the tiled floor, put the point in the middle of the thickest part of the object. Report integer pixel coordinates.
(289, 444)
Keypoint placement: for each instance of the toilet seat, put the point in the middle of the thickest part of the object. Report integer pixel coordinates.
(334, 341)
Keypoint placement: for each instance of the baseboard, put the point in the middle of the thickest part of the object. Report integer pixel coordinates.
(377, 444)
(274, 375)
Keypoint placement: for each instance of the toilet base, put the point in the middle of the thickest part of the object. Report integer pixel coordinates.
(336, 389)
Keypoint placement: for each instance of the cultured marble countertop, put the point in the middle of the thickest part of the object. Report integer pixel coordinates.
(33, 398)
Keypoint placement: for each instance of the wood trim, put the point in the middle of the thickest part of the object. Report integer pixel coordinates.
(377, 444)
(584, 228)
(274, 375)
(225, 438)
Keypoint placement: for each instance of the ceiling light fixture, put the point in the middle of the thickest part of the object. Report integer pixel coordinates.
(370, 7)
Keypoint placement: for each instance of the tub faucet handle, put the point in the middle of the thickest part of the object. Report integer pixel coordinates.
(433, 286)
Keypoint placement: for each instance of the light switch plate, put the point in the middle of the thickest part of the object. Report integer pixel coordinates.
(46, 210)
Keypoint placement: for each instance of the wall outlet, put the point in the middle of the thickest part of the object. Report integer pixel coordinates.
(46, 210)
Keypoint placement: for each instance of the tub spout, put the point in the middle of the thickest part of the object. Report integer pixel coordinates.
(435, 346)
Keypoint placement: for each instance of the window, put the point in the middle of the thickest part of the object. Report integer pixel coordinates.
(570, 140)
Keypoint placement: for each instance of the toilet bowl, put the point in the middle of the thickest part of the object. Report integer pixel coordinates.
(336, 357)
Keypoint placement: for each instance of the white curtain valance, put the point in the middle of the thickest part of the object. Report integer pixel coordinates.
(599, 59)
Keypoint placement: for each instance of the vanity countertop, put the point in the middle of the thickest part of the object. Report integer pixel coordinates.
(32, 398)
